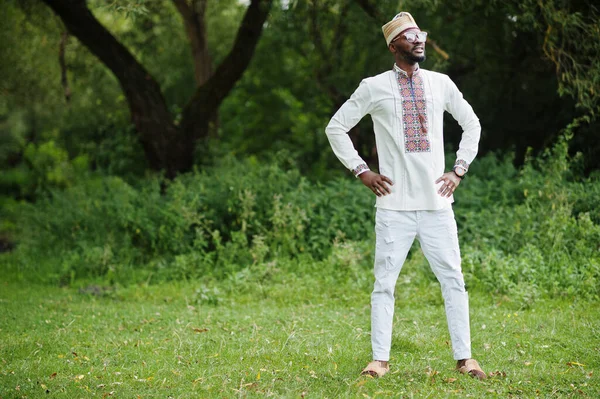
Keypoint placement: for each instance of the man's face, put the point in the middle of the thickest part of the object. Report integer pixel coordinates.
(411, 52)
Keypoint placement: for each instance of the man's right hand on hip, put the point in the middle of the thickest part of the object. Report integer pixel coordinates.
(376, 182)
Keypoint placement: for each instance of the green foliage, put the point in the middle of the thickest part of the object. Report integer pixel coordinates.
(311, 56)
(571, 43)
(528, 232)
(51, 167)
(45, 167)
(540, 239)
(216, 222)
(301, 73)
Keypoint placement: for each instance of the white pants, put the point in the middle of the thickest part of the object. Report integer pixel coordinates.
(437, 233)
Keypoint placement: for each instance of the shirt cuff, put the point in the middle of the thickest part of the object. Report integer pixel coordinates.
(362, 168)
(462, 163)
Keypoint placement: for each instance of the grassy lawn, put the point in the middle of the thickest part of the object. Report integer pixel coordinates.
(293, 336)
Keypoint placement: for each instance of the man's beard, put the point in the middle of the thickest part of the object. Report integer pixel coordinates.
(415, 58)
(410, 57)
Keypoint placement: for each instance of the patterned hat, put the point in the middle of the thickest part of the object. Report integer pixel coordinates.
(397, 25)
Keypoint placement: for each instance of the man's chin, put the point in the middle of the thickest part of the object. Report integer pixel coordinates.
(419, 58)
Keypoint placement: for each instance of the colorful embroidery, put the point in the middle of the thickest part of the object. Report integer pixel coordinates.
(360, 168)
(414, 112)
(462, 164)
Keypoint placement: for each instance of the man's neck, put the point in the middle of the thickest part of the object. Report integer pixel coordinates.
(407, 67)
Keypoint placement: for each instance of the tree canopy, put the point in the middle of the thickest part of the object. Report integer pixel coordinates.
(131, 85)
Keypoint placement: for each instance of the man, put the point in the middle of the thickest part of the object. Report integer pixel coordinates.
(414, 195)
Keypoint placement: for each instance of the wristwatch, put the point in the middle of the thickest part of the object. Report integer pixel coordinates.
(459, 171)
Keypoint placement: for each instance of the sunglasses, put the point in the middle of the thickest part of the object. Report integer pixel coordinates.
(413, 37)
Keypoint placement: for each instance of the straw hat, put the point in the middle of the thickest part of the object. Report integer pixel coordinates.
(401, 22)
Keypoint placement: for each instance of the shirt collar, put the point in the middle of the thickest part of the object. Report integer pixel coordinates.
(403, 72)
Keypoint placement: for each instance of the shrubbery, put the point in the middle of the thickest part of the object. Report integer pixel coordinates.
(540, 235)
(213, 222)
(527, 232)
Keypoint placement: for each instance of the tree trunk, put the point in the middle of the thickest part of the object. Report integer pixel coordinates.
(166, 146)
(160, 138)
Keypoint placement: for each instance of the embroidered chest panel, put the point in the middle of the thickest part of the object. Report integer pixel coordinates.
(414, 113)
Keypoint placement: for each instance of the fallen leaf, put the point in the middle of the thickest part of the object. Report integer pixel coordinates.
(528, 363)
(450, 380)
(250, 385)
(53, 375)
(80, 377)
(200, 330)
(571, 364)
(431, 372)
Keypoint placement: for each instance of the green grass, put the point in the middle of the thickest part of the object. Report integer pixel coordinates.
(288, 335)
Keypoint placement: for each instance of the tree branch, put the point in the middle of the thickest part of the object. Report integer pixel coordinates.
(340, 33)
(331, 54)
(315, 32)
(64, 37)
(147, 105)
(193, 16)
(374, 13)
(209, 96)
(437, 48)
(370, 10)
(238, 59)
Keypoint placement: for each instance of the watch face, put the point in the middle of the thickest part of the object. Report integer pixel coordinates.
(459, 171)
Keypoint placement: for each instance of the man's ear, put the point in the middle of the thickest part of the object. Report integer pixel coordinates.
(392, 48)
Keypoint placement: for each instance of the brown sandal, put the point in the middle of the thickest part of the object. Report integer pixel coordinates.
(375, 369)
(471, 367)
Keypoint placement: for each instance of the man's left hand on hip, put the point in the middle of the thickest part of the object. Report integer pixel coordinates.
(450, 182)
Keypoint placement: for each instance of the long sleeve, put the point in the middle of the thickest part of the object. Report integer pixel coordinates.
(349, 114)
(460, 109)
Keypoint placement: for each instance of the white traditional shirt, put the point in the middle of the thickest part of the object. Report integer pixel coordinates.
(408, 121)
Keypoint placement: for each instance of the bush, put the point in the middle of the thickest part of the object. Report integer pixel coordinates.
(45, 166)
(539, 240)
(203, 223)
(527, 232)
